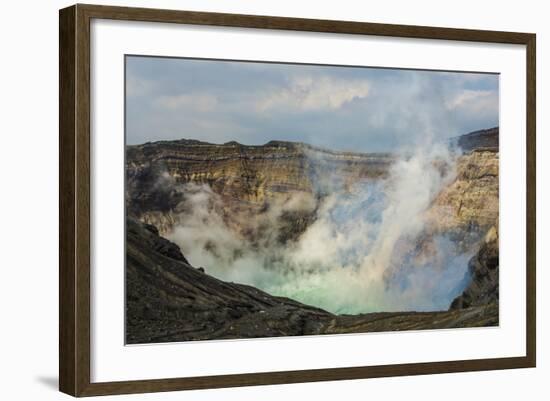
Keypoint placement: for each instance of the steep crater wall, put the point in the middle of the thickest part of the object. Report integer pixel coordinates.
(251, 179)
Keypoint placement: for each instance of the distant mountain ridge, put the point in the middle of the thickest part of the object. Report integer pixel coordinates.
(480, 139)
(275, 143)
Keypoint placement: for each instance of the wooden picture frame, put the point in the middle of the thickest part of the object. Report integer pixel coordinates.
(74, 203)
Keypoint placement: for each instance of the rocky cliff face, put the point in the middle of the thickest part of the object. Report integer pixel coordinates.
(249, 177)
(482, 139)
(483, 269)
(468, 207)
(170, 300)
(245, 177)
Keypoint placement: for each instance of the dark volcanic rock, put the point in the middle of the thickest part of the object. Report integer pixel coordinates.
(483, 269)
(479, 316)
(483, 139)
(148, 237)
(169, 300)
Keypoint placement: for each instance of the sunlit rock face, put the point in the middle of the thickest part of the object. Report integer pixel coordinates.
(468, 206)
(247, 178)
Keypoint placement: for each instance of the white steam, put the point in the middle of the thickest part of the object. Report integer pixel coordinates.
(368, 248)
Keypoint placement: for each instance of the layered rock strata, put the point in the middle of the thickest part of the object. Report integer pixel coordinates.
(469, 206)
(247, 178)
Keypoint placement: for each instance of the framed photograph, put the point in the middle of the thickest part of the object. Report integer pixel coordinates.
(250, 200)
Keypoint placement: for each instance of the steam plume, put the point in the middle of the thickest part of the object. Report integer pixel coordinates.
(368, 249)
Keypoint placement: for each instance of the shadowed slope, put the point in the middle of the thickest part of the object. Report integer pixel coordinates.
(169, 300)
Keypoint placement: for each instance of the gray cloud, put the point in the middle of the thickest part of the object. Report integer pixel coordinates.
(348, 108)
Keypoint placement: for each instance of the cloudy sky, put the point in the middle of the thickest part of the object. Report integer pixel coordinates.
(344, 108)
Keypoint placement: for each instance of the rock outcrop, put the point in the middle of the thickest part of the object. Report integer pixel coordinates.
(482, 139)
(170, 300)
(468, 207)
(483, 269)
